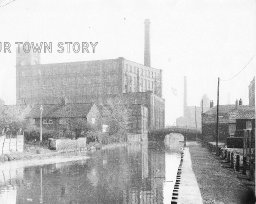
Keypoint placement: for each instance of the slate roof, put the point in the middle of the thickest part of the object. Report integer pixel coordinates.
(72, 110)
(239, 112)
(243, 113)
(223, 109)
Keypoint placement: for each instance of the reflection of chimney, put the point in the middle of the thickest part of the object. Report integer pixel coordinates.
(147, 43)
(185, 94)
(240, 102)
(211, 104)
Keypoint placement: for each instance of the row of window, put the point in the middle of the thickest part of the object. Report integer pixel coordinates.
(68, 80)
(92, 90)
(140, 71)
(70, 69)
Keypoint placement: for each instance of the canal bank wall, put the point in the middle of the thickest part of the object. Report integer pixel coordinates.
(51, 157)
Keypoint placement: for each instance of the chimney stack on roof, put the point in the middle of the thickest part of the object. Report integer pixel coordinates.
(240, 102)
(211, 103)
(147, 43)
(236, 103)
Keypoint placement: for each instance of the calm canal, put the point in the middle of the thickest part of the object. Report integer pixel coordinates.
(137, 173)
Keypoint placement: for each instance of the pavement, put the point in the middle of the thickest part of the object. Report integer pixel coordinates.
(189, 192)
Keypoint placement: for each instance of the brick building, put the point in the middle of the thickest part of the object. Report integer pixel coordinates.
(47, 83)
(55, 116)
(231, 119)
(92, 82)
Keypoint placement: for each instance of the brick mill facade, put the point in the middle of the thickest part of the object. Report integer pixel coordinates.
(91, 81)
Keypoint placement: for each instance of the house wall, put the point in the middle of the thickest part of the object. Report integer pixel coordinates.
(53, 126)
(138, 119)
(209, 132)
(155, 105)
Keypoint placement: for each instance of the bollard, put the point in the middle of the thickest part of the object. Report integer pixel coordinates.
(232, 160)
(244, 166)
(237, 166)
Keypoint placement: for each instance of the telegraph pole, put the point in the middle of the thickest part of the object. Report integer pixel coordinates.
(196, 123)
(41, 123)
(217, 123)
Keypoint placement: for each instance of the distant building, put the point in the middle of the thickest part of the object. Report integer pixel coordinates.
(252, 93)
(232, 119)
(191, 114)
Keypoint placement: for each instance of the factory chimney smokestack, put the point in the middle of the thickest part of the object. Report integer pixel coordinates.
(147, 43)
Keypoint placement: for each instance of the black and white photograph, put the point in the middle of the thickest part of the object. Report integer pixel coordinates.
(127, 101)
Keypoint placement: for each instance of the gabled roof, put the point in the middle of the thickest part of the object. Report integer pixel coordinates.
(72, 110)
(233, 111)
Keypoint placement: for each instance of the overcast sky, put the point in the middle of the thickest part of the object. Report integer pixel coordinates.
(202, 39)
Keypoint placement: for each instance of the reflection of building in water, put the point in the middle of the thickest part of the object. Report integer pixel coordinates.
(11, 177)
(9, 180)
(8, 195)
(147, 182)
(172, 161)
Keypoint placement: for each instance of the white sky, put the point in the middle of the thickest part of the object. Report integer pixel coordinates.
(197, 38)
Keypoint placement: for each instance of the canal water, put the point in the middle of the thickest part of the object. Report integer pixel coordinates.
(136, 173)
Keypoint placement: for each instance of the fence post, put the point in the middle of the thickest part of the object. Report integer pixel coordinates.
(251, 170)
(237, 166)
(232, 160)
(3, 145)
(244, 165)
(10, 139)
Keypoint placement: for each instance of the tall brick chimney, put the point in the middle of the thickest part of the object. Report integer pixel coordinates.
(147, 43)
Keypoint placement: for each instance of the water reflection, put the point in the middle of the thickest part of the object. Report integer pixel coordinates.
(138, 173)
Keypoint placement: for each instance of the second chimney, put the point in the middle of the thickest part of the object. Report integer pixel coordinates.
(211, 104)
(147, 43)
